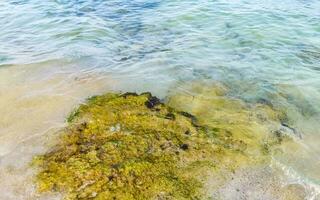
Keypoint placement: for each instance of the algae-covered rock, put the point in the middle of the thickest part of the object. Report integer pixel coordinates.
(127, 147)
(135, 147)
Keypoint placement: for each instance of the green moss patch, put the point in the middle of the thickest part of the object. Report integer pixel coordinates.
(126, 147)
(135, 147)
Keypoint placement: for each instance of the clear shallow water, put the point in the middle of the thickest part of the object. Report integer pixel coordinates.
(55, 53)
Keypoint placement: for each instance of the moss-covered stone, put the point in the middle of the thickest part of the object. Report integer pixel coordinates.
(125, 147)
(135, 147)
(253, 129)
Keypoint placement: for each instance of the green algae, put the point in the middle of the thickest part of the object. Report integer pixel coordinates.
(248, 133)
(135, 147)
(117, 147)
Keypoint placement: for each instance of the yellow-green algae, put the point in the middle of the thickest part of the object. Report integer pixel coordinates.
(134, 147)
(236, 123)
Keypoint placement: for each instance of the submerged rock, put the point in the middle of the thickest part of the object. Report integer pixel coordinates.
(133, 146)
(121, 147)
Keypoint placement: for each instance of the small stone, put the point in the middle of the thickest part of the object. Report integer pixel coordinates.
(184, 147)
(152, 102)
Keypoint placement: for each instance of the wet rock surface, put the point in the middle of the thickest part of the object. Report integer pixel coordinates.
(126, 147)
(134, 146)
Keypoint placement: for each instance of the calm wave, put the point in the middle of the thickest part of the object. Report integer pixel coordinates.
(55, 53)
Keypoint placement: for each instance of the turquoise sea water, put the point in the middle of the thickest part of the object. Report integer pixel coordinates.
(64, 50)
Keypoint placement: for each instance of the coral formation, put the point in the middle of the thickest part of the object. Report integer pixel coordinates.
(134, 146)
